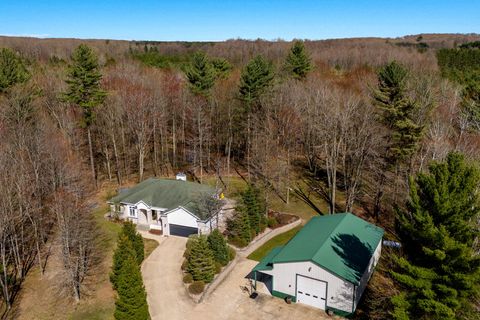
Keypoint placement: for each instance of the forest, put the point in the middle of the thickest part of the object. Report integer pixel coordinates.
(386, 128)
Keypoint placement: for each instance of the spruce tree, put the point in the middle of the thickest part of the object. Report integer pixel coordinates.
(131, 301)
(201, 264)
(200, 74)
(251, 207)
(222, 67)
(136, 239)
(441, 271)
(12, 69)
(122, 252)
(83, 80)
(219, 246)
(256, 78)
(242, 227)
(298, 63)
(397, 112)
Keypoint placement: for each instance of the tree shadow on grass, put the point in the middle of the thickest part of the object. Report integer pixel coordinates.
(354, 253)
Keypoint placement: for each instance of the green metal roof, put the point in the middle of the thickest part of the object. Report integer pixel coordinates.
(165, 193)
(266, 262)
(342, 243)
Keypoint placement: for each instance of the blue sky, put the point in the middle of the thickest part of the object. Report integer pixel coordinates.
(227, 19)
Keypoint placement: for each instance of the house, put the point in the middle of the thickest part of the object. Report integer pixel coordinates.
(172, 206)
(326, 265)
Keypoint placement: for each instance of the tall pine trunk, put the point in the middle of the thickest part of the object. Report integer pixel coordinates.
(92, 162)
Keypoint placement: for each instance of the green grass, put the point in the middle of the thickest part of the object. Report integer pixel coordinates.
(279, 240)
(296, 206)
(149, 246)
(94, 312)
(108, 229)
(234, 185)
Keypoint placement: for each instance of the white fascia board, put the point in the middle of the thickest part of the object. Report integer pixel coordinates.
(159, 209)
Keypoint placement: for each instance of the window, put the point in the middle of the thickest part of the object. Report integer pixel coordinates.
(133, 212)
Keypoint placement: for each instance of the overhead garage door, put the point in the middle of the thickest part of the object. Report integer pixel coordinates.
(182, 231)
(312, 292)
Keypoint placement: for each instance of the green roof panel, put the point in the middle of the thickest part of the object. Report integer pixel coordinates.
(165, 193)
(266, 262)
(342, 244)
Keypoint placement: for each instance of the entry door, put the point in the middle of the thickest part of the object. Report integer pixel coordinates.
(311, 292)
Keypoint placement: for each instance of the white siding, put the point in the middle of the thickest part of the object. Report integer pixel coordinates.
(181, 217)
(207, 226)
(368, 273)
(339, 292)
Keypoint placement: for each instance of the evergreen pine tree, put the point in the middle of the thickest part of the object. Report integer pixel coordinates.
(201, 264)
(122, 252)
(84, 83)
(298, 62)
(83, 80)
(251, 207)
(135, 238)
(131, 301)
(219, 246)
(200, 74)
(221, 66)
(441, 270)
(12, 69)
(256, 78)
(397, 112)
(242, 227)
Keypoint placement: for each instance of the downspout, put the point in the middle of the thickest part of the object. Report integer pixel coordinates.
(353, 302)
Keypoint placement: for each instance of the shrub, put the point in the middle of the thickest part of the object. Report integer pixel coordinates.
(217, 243)
(131, 233)
(184, 265)
(238, 242)
(218, 267)
(196, 287)
(200, 262)
(187, 278)
(231, 253)
(272, 222)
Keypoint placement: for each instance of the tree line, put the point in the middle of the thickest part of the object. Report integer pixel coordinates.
(349, 135)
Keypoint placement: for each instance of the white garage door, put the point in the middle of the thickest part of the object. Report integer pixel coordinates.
(312, 292)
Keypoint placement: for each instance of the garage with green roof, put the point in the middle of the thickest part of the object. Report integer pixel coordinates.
(172, 207)
(327, 265)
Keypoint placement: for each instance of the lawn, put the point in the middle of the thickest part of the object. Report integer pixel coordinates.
(149, 246)
(279, 240)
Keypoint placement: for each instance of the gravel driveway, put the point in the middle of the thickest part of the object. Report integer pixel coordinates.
(166, 294)
(167, 298)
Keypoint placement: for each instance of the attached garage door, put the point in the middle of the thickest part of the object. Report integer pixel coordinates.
(182, 231)
(312, 292)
